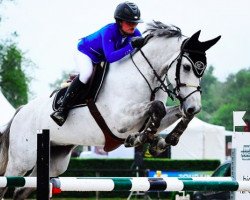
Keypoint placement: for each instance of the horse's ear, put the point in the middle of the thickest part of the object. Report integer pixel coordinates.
(193, 41)
(206, 45)
(195, 36)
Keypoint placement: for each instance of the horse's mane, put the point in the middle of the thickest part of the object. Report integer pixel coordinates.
(159, 29)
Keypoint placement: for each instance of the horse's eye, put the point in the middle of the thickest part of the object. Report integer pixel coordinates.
(187, 67)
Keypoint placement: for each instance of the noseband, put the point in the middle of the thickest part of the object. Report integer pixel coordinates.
(179, 84)
(175, 91)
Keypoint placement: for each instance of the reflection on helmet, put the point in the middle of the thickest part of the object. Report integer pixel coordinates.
(128, 11)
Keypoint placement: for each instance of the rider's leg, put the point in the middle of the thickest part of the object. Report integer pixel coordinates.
(79, 83)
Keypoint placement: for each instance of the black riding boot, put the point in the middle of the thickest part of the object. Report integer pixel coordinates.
(61, 114)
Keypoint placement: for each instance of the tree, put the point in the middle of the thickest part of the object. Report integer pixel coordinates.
(13, 81)
(58, 82)
(210, 101)
(235, 95)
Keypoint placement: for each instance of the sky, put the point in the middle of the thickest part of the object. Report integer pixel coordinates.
(49, 30)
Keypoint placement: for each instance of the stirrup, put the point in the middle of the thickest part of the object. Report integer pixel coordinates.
(59, 117)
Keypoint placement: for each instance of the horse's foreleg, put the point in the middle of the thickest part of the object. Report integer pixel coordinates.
(173, 137)
(156, 113)
(160, 144)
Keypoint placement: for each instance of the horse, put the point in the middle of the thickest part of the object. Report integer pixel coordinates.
(168, 65)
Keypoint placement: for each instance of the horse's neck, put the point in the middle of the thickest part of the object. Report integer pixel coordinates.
(125, 79)
(158, 52)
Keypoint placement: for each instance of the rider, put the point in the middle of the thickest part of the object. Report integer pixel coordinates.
(111, 43)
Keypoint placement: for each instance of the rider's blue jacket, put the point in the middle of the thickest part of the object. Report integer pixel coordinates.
(107, 44)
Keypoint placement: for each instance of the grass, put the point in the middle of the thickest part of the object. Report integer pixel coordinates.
(83, 199)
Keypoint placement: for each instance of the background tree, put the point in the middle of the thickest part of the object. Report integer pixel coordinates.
(13, 68)
(13, 80)
(220, 99)
(235, 95)
(210, 101)
(58, 82)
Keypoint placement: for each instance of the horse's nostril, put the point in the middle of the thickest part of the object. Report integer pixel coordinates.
(190, 111)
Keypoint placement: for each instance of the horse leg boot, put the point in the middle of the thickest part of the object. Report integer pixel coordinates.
(156, 112)
(60, 115)
(173, 137)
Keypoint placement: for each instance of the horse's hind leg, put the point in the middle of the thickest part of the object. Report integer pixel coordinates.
(11, 171)
(23, 193)
(156, 113)
(59, 160)
(17, 165)
(2, 192)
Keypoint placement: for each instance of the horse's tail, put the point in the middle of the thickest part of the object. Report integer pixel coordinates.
(4, 145)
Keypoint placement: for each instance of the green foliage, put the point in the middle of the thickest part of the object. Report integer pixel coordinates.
(13, 80)
(209, 85)
(88, 167)
(57, 84)
(219, 100)
(235, 96)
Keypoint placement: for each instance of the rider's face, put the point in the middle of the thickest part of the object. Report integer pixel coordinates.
(128, 27)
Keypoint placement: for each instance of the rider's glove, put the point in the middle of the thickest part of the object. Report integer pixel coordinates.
(137, 42)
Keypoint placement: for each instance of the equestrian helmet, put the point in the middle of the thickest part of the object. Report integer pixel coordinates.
(128, 12)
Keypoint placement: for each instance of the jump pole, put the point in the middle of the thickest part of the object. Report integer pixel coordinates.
(83, 184)
(43, 164)
(149, 184)
(115, 183)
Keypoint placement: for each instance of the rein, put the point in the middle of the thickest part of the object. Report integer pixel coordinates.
(175, 91)
(162, 86)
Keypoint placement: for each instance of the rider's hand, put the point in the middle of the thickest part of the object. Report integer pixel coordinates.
(137, 42)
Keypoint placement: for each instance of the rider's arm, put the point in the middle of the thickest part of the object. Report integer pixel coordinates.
(111, 53)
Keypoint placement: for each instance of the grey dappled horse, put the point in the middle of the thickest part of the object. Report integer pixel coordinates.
(134, 92)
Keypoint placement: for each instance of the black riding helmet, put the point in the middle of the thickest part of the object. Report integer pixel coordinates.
(128, 11)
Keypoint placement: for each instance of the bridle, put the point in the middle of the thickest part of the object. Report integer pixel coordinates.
(174, 92)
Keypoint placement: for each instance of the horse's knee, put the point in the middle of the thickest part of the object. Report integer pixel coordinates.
(157, 109)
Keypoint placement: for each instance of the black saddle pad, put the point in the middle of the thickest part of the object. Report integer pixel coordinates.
(94, 86)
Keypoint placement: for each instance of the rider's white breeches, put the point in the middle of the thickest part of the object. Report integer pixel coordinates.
(84, 65)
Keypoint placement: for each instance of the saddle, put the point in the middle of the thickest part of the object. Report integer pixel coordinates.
(94, 86)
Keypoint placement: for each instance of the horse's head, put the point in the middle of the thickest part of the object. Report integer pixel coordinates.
(183, 62)
(185, 72)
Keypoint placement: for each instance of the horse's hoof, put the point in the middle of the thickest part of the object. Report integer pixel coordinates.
(171, 140)
(134, 140)
(153, 152)
(157, 146)
(129, 141)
